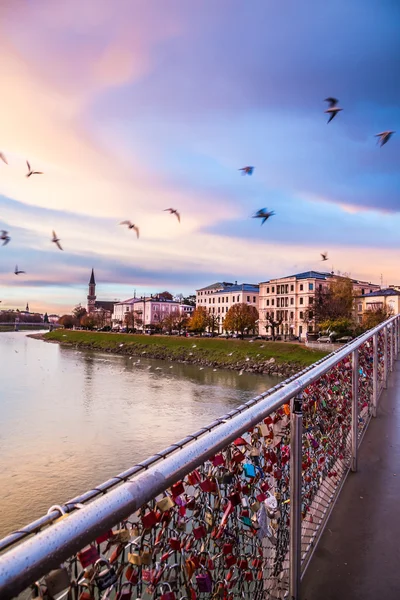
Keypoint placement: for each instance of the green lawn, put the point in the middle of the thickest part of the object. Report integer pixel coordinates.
(181, 348)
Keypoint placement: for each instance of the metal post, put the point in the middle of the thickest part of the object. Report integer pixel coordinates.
(375, 374)
(396, 338)
(354, 411)
(391, 346)
(385, 356)
(296, 444)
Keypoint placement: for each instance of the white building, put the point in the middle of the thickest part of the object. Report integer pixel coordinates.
(147, 310)
(290, 300)
(218, 298)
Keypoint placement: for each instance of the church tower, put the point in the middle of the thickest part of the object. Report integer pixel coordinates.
(91, 299)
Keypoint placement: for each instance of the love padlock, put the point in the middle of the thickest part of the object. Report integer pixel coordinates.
(57, 581)
(169, 594)
(87, 593)
(204, 582)
(106, 577)
(125, 593)
(88, 556)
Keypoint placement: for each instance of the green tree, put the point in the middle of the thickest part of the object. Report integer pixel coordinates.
(198, 321)
(332, 302)
(375, 315)
(241, 318)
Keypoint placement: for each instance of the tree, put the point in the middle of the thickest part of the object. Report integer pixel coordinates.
(88, 321)
(332, 302)
(170, 320)
(341, 326)
(46, 318)
(165, 295)
(375, 315)
(67, 321)
(181, 321)
(79, 312)
(273, 323)
(190, 300)
(198, 321)
(241, 318)
(213, 322)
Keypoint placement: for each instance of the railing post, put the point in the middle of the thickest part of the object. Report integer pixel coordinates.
(391, 346)
(385, 356)
(375, 374)
(396, 338)
(296, 444)
(354, 411)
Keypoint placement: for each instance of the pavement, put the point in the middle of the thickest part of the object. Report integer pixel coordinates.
(358, 557)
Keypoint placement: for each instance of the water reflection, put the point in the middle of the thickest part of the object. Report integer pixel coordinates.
(72, 419)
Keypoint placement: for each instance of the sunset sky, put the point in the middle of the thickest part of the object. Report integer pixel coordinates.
(130, 107)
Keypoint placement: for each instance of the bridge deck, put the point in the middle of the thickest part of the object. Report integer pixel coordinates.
(359, 552)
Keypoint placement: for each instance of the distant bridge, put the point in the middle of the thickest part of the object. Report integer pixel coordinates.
(19, 325)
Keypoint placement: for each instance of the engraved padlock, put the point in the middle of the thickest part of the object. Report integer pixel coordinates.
(104, 578)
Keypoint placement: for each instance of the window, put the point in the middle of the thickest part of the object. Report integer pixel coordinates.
(370, 291)
(213, 309)
(301, 314)
(292, 288)
(320, 287)
(267, 290)
(286, 301)
(278, 289)
(291, 314)
(301, 301)
(273, 289)
(362, 291)
(213, 300)
(223, 309)
(311, 300)
(248, 298)
(310, 287)
(209, 301)
(301, 287)
(219, 299)
(272, 302)
(291, 300)
(267, 302)
(254, 299)
(286, 288)
(233, 298)
(219, 309)
(278, 301)
(311, 314)
(286, 314)
(238, 298)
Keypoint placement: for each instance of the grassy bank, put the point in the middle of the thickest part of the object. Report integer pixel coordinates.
(259, 356)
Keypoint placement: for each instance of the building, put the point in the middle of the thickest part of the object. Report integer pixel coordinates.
(289, 301)
(218, 298)
(105, 307)
(140, 313)
(388, 298)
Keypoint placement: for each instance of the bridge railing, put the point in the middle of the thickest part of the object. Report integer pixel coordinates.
(236, 508)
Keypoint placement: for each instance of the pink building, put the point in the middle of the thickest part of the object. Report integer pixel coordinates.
(147, 311)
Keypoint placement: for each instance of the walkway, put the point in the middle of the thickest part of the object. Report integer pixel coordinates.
(359, 553)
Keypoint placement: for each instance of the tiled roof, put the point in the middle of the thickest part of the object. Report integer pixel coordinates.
(105, 305)
(244, 287)
(305, 275)
(387, 292)
(214, 286)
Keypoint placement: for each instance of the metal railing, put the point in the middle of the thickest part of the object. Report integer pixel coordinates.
(236, 508)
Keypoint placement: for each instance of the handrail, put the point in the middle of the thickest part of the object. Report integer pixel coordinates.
(23, 564)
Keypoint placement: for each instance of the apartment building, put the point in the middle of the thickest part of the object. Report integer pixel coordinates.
(291, 299)
(148, 310)
(219, 297)
(387, 298)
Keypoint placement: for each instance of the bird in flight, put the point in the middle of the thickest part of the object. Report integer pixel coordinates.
(56, 240)
(5, 237)
(17, 271)
(384, 137)
(333, 109)
(173, 211)
(247, 170)
(30, 172)
(263, 214)
(131, 226)
(3, 158)
(324, 256)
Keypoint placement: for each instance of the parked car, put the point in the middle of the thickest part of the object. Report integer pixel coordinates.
(345, 339)
(324, 339)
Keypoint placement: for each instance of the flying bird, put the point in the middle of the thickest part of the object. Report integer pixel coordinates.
(17, 271)
(247, 170)
(173, 211)
(263, 214)
(324, 256)
(3, 158)
(5, 237)
(333, 109)
(131, 226)
(384, 137)
(30, 172)
(56, 240)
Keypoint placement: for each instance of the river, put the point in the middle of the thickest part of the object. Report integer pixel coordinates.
(71, 419)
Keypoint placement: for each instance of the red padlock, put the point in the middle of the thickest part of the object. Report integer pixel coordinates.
(169, 594)
(175, 544)
(177, 489)
(194, 477)
(248, 576)
(230, 560)
(238, 457)
(149, 519)
(227, 548)
(105, 536)
(208, 485)
(218, 460)
(240, 442)
(243, 563)
(88, 557)
(116, 553)
(199, 532)
(124, 594)
(132, 574)
(234, 498)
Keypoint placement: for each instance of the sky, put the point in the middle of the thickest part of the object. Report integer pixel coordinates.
(130, 107)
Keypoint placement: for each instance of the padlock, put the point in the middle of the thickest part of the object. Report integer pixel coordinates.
(230, 560)
(204, 582)
(37, 591)
(62, 512)
(218, 460)
(88, 556)
(194, 477)
(199, 532)
(116, 553)
(169, 594)
(208, 485)
(104, 537)
(146, 555)
(240, 442)
(177, 489)
(106, 577)
(249, 470)
(134, 558)
(238, 457)
(124, 594)
(149, 519)
(243, 563)
(87, 593)
(227, 548)
(132, 574)
(57, 581)
(234, 498)
(122, 536)
(175, 543)
(165, 503)
(209, 518)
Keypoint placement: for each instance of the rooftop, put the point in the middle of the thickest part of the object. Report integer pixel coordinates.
(305, 275)
(243, 287)
(387, 292)
(215, 286)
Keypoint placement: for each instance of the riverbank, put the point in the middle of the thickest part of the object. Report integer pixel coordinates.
(270, 358)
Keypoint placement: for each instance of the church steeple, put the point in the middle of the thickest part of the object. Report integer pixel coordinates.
(91, 299)
(27, 308)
